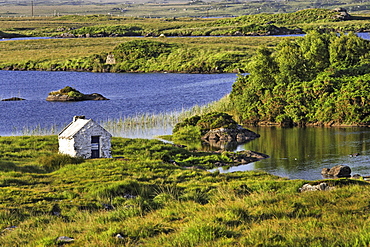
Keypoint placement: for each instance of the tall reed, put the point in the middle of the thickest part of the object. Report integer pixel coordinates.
(143, 125)
(146, 123)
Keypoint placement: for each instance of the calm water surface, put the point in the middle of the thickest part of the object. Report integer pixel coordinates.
(129, 94)
(301, 153)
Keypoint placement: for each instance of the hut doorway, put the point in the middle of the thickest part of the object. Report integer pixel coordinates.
(95, 147)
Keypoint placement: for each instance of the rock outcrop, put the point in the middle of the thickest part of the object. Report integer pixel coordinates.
(61, 97)
(71, 94)
(318, 187)
(342, 14)
(245, 157)
(226, 138)
(337, 171)
(13, 99)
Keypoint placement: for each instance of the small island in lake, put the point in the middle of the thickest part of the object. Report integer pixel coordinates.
(13, 99)
(215, 129)
(70, 94)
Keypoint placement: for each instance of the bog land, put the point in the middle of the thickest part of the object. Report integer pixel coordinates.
(173, 8)
(205, 45)
(140, 198)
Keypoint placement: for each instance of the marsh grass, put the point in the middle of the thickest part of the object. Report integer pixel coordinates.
(49, 53)
(150, 202)
(165, 121)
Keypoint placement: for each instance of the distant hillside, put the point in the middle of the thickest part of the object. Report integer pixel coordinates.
(173, 8)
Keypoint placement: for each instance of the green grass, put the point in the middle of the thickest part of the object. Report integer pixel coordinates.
(153, 203)
(215, 49)
(60, 50)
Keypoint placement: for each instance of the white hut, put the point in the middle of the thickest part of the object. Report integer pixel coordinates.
(85, 138)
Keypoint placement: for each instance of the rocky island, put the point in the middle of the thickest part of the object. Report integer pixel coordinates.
(70, 94)
(216, 129)
(13, 99)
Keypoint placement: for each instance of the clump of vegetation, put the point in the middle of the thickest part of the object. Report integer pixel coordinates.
(107, 30)
(194, 127)
(317, 79)
(215, 120)
(56, 161)
(137, 49)
(70, 91)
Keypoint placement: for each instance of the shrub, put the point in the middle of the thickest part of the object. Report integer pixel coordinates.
(136, 49)
(216, 120)
(187, 133)
(67, 89)
(56, 161)
(75, 94)
(194, 127)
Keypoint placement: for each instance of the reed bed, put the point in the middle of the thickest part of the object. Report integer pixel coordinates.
(37, 130)
(143, 125)
(162, 123)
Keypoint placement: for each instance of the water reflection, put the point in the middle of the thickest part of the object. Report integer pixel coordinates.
(301, 153)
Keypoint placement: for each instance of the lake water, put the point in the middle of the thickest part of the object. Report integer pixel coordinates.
(301, 153)
(129, 93)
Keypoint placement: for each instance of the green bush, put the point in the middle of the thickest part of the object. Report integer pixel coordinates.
(192, 129)
(136, 49)
(75, 94)
(320, 78)
(56, 161)
(67, 89)
(187, 133)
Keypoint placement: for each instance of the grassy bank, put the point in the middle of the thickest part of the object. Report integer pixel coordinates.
(222, 53)
(110, 25)
(150, 202)
(215, 45)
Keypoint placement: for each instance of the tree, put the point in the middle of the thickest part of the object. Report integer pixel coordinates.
(347, 50)
(262, 69)
(314, 47)
(292, 65)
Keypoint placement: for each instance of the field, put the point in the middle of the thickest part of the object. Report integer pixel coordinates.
(167, 9)
(63, 49)
(198, 45)
(139, 198)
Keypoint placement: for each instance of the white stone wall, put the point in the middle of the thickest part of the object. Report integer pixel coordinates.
(81, 144)
(66, 146)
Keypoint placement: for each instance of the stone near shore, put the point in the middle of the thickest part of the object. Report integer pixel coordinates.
(226, 137)
(337, 171)
(318, 187)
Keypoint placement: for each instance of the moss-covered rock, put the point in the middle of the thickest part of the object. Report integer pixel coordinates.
(218, 129)
(71, 94)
